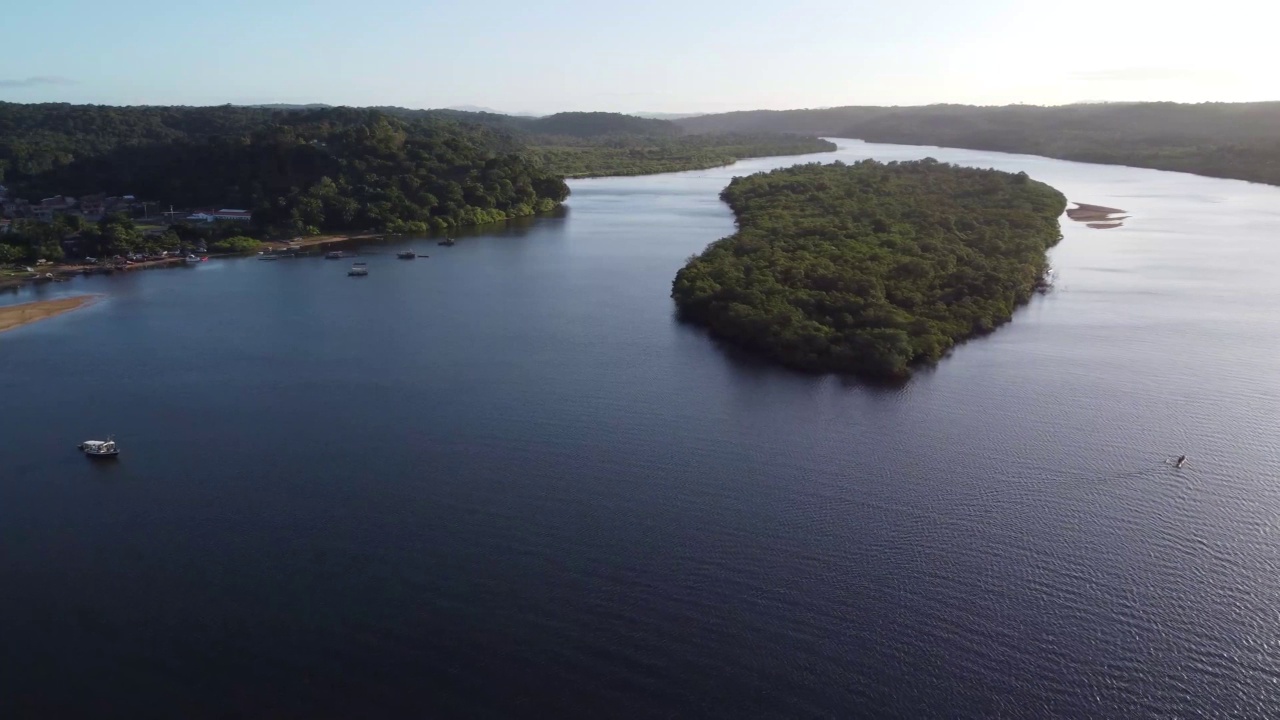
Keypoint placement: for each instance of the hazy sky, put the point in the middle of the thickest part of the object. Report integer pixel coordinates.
(657, 55)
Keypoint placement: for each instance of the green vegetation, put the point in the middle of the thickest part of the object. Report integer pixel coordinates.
(310, 170)
(1227, 140)
(31, 241)
(237, 244)
(870, 268)
(638, 155)
(299, 172)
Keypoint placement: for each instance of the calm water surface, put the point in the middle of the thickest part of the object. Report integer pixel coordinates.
(504, 481)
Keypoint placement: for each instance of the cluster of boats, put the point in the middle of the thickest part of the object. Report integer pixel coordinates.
(360, 269)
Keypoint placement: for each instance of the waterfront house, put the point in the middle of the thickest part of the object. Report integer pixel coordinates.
(56, 205)
(93, 207)
(223, 214)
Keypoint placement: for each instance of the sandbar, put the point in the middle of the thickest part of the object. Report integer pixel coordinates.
(12, 316)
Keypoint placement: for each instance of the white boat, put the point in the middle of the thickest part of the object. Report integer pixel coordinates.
(192, 259)
(100, 448)
(333, 255)
(358, 269)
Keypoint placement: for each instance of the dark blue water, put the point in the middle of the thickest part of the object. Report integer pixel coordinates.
(505, 482)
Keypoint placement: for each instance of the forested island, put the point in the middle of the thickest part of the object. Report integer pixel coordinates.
(1225, 140)
(870, 268)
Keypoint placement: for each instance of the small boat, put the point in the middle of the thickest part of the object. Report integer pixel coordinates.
(1180, 461)
(358, 269)
(407, 255)
(447, 242)
(269, 257)
(100, 448)
(333, 255)
(192, 259)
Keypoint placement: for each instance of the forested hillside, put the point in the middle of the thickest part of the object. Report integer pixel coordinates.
(299, 172)
(306, 170)
(870, 268)
(644, 155)
(582, 144)
(1228, 140)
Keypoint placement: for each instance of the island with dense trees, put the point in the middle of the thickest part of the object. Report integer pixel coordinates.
(870, 269)
(1225, 140)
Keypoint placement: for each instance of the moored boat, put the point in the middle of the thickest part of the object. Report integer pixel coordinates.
(333, 255)
(447, 242)
(407, 255)
(358, 269)
(100, 448)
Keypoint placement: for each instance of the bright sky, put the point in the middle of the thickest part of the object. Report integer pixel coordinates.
(655, 56)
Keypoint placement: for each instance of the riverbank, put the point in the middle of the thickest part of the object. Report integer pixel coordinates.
(316, 240)
(14, 316)
(65, 271)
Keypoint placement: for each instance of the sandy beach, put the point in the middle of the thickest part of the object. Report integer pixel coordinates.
(13, 316)
(318, 240)
(1084, 212)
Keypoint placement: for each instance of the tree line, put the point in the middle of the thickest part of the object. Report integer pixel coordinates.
(870, 268)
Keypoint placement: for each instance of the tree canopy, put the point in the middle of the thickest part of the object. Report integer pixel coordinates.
(644, 155)
(300, 172)
(870, 268)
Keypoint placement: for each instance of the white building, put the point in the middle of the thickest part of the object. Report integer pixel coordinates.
(223, 214)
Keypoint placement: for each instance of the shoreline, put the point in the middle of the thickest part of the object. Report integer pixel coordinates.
(16, 316)
(318, 240)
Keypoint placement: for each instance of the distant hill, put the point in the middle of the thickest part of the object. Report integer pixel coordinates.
(1228, 140)
(482, 109)
(825, 121)
(592, 124)
(286, 106)
(566, 124)
(665, 116)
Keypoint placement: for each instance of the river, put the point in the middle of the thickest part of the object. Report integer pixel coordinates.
(504, 481)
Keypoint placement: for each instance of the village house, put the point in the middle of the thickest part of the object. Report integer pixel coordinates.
(56, 205)
(223, 214)
(93, 207)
